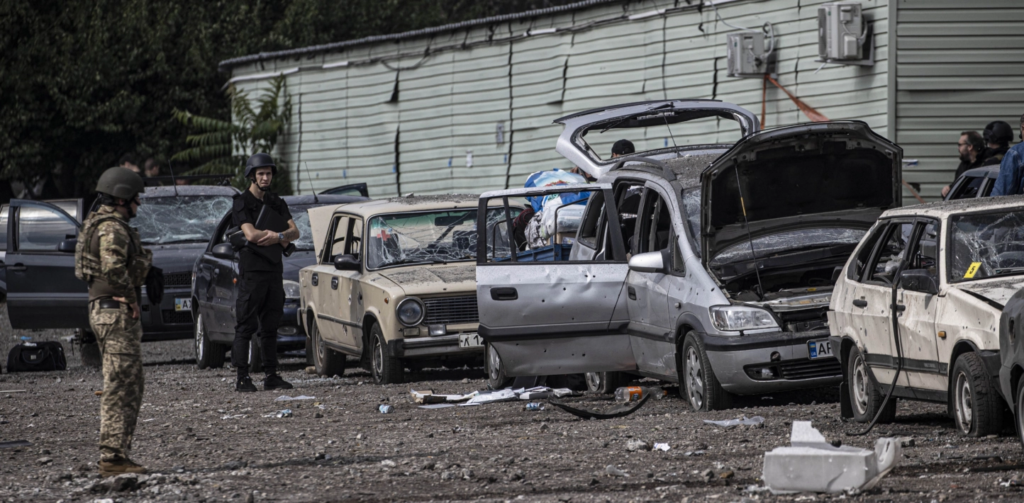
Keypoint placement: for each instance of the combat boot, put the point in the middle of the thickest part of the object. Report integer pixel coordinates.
(119, 466)
(274, 381)
(245, 385)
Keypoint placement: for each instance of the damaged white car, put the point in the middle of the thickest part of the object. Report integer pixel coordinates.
(917, 309)
(709, 265)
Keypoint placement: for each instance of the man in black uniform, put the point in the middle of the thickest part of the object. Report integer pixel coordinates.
(261, 290)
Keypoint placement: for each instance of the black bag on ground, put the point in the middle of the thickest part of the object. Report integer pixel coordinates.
(37, 357)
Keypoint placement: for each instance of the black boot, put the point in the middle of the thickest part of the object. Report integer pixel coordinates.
(274, 381)
(244, 384)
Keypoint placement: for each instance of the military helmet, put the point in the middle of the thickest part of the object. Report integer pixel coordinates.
(121, 183)
(259, 160)
(998, 132)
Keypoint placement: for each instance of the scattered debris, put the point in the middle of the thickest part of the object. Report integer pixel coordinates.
(385, 408)
(612, 471)
(14, 443)
(388, 463)
(428, 397)
(534, 407)
(633, 393)
(311, 370)
(16, 390)
(906, 441)
(638, 445)
(756, 421)
(437, 406)
(694, 453)
(286, 398)
(614, 412)
(280, 413)
(813, 464)
(661, 447)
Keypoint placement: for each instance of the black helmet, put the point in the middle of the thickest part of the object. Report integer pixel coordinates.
(998, 132)
(259, 160)
(121, 183)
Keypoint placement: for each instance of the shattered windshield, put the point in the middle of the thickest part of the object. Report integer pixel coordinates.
(428, 237)
(772, 244)
(301, 218)
(986, 245)
(180, 219)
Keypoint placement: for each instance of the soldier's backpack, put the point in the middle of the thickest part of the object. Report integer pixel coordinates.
(37, 357)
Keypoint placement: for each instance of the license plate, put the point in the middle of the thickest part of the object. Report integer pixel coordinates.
(183, 304)
(819, 349)
(470, 340)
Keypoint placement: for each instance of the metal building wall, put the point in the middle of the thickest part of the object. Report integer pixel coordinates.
(959, 66)
(408, 125)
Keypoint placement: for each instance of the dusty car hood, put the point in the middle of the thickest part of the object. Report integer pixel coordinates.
(433, 279)
(829, 174)
(178, 257)
(998, 290)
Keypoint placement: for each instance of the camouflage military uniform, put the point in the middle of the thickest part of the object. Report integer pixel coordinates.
(112, 260)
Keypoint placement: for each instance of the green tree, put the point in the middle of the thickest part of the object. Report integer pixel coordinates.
(221, 147)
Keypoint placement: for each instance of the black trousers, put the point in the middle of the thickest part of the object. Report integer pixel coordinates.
(258, 311)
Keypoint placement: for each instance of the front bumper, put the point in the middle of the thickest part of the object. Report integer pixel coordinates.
(784, 353)
(422, 347)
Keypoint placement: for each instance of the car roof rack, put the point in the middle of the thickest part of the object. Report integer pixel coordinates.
(646, 164)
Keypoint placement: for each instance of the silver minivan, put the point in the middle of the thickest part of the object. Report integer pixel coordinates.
(710, 265)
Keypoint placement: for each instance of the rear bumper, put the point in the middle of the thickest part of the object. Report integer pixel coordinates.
(419, 347)
(785, 354)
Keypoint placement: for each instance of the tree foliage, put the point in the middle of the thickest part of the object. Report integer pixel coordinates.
(81, 83)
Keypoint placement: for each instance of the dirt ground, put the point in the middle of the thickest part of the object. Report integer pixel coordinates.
(204, 442)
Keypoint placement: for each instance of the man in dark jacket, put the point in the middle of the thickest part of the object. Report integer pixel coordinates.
(260, 301)
(970, 146)
(1011, 169)
(998, 135)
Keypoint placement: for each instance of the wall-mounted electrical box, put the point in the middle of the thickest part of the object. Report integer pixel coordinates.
(844, 37)
(746, 54)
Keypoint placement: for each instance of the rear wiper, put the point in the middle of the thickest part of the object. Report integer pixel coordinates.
(626, 118)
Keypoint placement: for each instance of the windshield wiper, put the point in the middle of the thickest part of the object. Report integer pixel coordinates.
(1007, 271)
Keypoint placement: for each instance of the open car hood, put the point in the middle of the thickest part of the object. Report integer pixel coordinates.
(820, 175)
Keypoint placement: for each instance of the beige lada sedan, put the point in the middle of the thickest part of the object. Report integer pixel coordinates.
(394, 284)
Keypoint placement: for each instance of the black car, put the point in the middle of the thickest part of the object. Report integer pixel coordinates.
(73, 207)
(977, 182)
(214, 288)
(42, 291)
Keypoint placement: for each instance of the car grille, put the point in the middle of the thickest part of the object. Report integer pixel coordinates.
(810, 369)
(451, 310)
(172, 317)
(176, 279)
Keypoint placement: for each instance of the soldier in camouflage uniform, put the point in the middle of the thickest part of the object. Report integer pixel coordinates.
(110, 257)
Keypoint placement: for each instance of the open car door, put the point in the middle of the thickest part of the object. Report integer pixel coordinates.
(42, 290)
(544, 308)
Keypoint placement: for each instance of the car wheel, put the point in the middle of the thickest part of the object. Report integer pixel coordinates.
(698, 380)
(1018, 409)
(976, 408)
(328, 362)
(865, 394)
(255, 357)
(91, 356)
(605, 382)
(208, 354)
(385, 368)
(496, 378)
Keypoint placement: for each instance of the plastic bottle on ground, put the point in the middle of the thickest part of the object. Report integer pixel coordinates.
(636, 393)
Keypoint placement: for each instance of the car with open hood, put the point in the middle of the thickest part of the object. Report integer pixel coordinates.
(916, 311)
(706, 264)
(393, 284)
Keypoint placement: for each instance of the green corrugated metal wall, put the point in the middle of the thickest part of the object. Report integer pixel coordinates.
(959, 66)
(349, 124)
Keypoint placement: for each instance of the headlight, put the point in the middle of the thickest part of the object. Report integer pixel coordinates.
(732, 318)
(291, 289)
(410, 311)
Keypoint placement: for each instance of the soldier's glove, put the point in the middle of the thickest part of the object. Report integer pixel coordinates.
(155, 285)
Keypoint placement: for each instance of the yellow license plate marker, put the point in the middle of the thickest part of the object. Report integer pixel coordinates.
(972, 270)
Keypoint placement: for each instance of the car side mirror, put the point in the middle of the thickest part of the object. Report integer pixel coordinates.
(918, 280)
(67, 246)
(224, 251)
(347, 263)
(648, 262)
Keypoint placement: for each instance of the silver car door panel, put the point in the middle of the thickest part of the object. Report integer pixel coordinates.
(566, 355)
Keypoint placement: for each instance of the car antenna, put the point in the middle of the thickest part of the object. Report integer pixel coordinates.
(316, 200)
(750, 239)
(174, 183)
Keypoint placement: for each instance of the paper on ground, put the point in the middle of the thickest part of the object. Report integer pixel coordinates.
(286, 398)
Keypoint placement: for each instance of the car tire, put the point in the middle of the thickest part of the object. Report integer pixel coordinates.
(255, 357)
(496, 378)
(385, 368)
(328, 362)
(91, 356)
(605, 382)
(1018, 409)
(866, 396)
(698, 383)
(208, 354)
(977, 410)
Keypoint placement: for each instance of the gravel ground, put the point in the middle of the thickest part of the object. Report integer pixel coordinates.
(203, 442)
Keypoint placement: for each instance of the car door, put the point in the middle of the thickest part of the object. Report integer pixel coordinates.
(216, 285)
(546, 316)
(327, 294)
(918, 313)
(40, 266)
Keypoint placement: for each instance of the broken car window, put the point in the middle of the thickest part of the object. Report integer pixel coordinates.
(428, 237)
(926, 252)
(986, 245)
(181, 219)
(42, 229)
(301, 218)
(892, 253)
